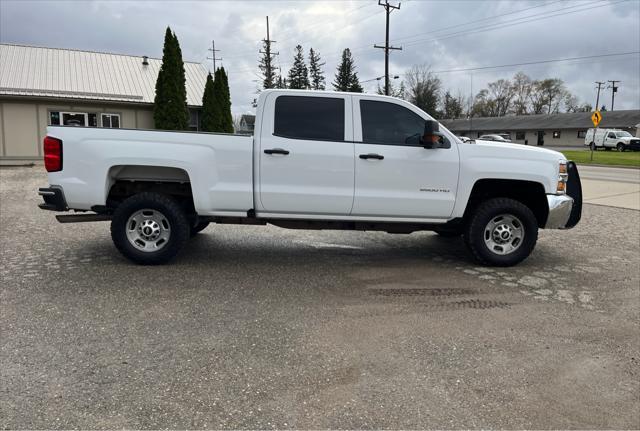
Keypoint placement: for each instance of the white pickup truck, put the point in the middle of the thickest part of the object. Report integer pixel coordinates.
(318, 160)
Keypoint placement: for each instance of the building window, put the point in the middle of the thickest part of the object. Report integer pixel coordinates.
(78, 119)
(556, 134)
(519, 136)
(194, 120)
(110, 121)
(582, 134)
(309, 118)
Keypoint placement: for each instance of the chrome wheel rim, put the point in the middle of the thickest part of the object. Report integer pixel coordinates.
(504, 234)
(148, 230)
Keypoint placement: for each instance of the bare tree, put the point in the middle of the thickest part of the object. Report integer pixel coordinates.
(500, 93)
(423, 88)
(521, 92)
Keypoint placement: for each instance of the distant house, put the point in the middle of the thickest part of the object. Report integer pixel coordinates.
(247, 124)
(50, 86)
(547, 129)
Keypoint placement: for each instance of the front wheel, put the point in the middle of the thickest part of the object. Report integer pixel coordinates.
(149, 228)
(501, 232)
(620, 147)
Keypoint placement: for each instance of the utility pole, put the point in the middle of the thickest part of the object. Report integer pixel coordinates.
(614, 90)
(213, 54)
(600, 84)
(388, 8)
(268, 57)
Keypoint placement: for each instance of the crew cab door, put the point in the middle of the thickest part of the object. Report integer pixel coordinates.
(393, 177)
(306, 154)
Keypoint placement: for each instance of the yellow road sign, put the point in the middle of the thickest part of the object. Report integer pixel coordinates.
(596, 118)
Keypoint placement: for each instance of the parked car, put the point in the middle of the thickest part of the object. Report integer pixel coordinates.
(611, 138)
(494, 138)
(318, 160)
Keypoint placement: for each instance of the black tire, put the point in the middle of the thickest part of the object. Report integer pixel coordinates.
(448, 233)
(620, 147)
(177, 227)
(490, 210)
(199, 227)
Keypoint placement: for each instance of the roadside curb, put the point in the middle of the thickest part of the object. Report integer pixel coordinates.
(609, 166)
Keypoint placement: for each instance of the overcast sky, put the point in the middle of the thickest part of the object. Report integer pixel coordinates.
(444, 34)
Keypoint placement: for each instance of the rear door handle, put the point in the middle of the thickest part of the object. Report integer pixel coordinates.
(371, 156)
(276, 151)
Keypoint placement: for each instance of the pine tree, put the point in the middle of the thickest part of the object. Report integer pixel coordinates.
(170, 104)
(210, 111)
(225, 103)
(315, 70)
(266, 66)
(346, 77)
(299, 74)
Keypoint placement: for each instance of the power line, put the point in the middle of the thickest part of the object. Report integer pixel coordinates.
(516, 21)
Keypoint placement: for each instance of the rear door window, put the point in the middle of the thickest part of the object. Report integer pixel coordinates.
(310, 118)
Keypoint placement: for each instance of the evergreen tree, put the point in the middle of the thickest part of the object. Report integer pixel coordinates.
(315, 70)
(299, 74)
(225, 103)
(170, 104)
(210, 111)
(346, 76)
(266, 66)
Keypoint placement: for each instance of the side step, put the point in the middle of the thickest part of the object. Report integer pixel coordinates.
(82, 218)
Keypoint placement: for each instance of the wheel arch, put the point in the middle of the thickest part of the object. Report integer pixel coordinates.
(530, 193)
(124, 181)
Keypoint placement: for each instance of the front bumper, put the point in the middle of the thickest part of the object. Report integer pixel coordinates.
(53, 199)
(565, 211)
(560, 207)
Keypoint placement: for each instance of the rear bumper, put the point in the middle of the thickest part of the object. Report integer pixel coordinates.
(53, 199)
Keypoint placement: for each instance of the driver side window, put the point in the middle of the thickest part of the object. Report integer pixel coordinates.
(388, 123)
(611, 136)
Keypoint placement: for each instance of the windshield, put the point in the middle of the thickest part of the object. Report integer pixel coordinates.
(623, 134)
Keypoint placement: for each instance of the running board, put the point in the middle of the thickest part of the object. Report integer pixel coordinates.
(82, 218)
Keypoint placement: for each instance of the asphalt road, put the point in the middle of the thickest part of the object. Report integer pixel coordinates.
(256, 327)
(617, 187)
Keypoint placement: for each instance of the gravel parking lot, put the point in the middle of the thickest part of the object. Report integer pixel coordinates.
(255, 327)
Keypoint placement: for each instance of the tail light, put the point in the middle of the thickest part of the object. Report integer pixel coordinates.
(52, 154)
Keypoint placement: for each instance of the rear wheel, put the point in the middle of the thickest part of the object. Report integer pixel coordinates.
(149, 228)
(620, 147)
(592, 146)
(501, 232)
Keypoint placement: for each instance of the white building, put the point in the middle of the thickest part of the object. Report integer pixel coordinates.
(50, 86)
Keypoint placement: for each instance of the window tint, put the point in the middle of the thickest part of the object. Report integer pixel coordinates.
(388, 123)
(303, 117)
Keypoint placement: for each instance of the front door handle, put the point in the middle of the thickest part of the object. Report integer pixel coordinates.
(276, 151)
(371, 156)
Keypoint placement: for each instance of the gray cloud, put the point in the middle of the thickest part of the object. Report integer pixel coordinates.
(432, 32)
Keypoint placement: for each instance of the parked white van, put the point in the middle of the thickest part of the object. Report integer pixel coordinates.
(611, 138)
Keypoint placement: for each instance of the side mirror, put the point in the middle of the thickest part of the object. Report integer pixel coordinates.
(432, 138)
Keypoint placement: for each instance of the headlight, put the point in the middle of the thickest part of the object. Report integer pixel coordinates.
(563, 176)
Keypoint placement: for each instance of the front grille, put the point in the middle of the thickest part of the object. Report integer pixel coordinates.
(574, 189)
